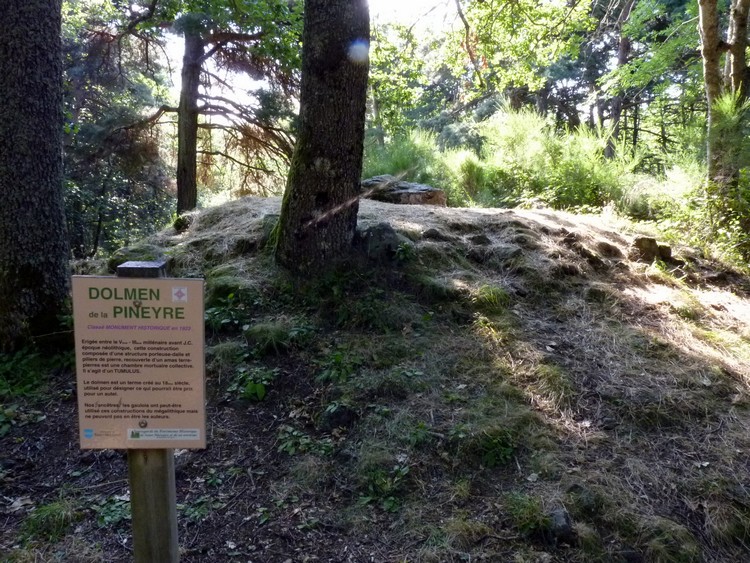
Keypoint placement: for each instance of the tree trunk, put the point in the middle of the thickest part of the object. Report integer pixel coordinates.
(319, 211)
(187, 123)
(623, 54)
(738, 72)
(708, 26)
(377, 119)
(33, 241)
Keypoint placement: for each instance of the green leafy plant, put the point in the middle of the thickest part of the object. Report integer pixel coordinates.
(277, 335)
(293, 441)
(21, 373)
(491, 447)
(200, 508)
(338, 366)
(228, 313)
(252, 382)
(420, 434)
(264, 515)
(405, 252)
(113, 510)
(386, 487)
(214, 478)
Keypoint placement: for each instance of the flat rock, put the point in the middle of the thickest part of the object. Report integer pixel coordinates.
(390, 189)
(646, 249)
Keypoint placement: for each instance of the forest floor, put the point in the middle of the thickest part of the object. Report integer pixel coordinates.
(494, 385)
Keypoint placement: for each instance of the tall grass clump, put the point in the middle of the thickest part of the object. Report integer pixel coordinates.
(563, 170)
(667, 198)
(520, 158)
(414, 157)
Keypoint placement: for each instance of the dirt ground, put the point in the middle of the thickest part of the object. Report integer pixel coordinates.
(495, 385)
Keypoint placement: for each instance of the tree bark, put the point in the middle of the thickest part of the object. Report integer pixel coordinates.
(319, 211)
(33, 240)
(623, 54)
(187, 123)
(737, 36)
(708, 25)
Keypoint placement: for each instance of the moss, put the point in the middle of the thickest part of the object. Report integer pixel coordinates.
(271, 337)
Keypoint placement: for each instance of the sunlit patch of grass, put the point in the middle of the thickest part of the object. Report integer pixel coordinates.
(727, 341)
(552, 384)
(490, 299)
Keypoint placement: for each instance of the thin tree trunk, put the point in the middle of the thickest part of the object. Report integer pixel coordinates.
(711, 54)
(468, 45)
(623, 54)
(377, 119)
(187, 123)
(737, 60)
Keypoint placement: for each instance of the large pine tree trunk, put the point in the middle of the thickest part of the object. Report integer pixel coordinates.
(33, 241)
(187, 123)
(319, 212)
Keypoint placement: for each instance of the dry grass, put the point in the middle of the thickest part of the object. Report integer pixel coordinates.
(518, 362)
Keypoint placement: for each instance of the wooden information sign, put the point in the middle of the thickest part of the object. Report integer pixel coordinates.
(140, 362)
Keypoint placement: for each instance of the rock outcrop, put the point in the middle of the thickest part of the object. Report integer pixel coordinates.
(392, 190)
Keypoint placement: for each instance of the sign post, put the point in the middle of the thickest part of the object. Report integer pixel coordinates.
(140, 372)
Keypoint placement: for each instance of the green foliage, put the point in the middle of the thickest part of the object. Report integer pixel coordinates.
(490, 299)
(395, 75)
(562, 170)
(276, 336)
(8, 415)
(523, 159)
(386, 487)
(413, 156)
(665, 31)
(666, 197)
(293, 441)
(115, 172)
(551, 382)
(22, 374)
(527, 513)
(728, 187)
(252, 382)
(50, 522)
(419, 434)
(490, 447)
(200, 508)
(112, 511)
(229, 313)
(338, 366)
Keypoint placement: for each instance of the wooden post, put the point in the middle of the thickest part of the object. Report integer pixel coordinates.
(153, 500)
